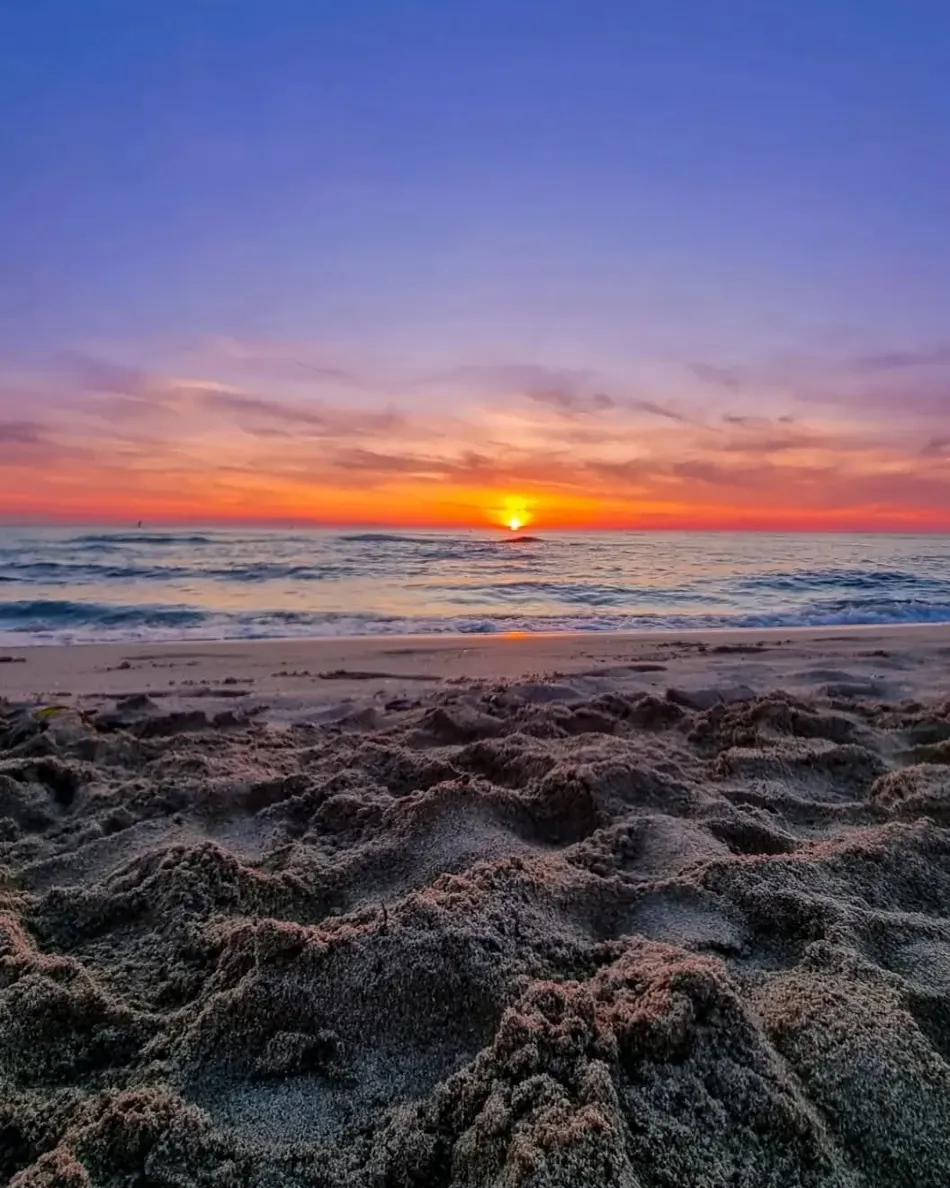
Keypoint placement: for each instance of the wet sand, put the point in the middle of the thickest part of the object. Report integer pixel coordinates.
(628, 911)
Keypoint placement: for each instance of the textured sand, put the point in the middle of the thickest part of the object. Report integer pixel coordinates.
(639, 913)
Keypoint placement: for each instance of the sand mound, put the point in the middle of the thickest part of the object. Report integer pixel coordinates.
(500, 936)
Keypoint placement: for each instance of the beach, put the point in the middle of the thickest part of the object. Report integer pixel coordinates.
(635, 910)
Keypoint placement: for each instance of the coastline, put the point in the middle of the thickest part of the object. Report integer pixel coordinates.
(301, 670)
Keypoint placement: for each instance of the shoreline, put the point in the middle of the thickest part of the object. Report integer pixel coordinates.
(890, 662)
(455, 637)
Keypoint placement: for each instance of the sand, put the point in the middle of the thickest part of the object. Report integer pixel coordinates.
(648, 912)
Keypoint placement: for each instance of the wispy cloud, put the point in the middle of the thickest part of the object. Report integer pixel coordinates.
(92, 374)
(572, 403)
(31, 445)
(140, 437)
(653, 409)
(898, 382)
(512, 379)
(732, 378)
(313, 419)
(21, 433)
(256, 407)
(380, 464)
(744, 419)
(571, 392)
(721, 474)
(899, 360)
(276, 360)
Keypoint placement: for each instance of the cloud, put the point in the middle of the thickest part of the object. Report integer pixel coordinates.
(521, 378)
(760, 435)
(656, 410)
(794, 370)
(275, 360)
(771, 483)
(28, 444)
(22, 433)
(92, 374)
(317, 420)
(356, 467)
(572, 403)
(546, 433)
(723, 377)
(883, 383)
(374, 462)
(631, 472)
(256, 406)
(117, 392)
(570, 392)
(706, 472)
(899, 360)
(896, 401)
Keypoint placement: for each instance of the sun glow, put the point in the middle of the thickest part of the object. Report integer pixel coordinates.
(513, 513)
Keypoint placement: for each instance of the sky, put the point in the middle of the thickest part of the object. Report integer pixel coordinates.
(453, 262)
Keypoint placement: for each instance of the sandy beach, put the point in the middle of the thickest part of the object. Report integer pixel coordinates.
(544, 911)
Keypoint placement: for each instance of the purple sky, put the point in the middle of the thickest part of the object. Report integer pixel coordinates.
(646, 255)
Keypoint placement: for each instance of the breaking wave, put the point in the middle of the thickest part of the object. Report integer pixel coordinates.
(57, 587)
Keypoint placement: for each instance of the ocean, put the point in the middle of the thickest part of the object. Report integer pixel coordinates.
(78, 586)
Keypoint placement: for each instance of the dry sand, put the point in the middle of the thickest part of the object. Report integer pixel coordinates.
(620, 911)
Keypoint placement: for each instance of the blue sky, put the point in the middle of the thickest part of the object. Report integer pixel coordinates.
(618, 189)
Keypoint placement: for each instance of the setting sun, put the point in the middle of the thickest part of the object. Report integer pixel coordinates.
(513, 513)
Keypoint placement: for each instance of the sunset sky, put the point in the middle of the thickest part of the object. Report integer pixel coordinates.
(680, 264)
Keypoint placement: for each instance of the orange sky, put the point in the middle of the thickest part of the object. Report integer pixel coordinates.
(206, 440)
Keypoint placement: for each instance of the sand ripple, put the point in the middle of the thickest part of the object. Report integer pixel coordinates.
(501, 937)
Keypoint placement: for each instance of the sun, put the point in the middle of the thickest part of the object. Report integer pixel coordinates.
(513, 513)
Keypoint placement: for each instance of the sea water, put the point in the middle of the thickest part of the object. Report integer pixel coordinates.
(85, 585)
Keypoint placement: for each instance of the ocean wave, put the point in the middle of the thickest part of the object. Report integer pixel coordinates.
(142, 538)
(97, 585)
(43, 615)
(855, 579)
(383, 538)
(438, 548)
(50, 621)
(575, 594)
(76, 572)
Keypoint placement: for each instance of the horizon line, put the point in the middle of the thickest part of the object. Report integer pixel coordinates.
(145, 526)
